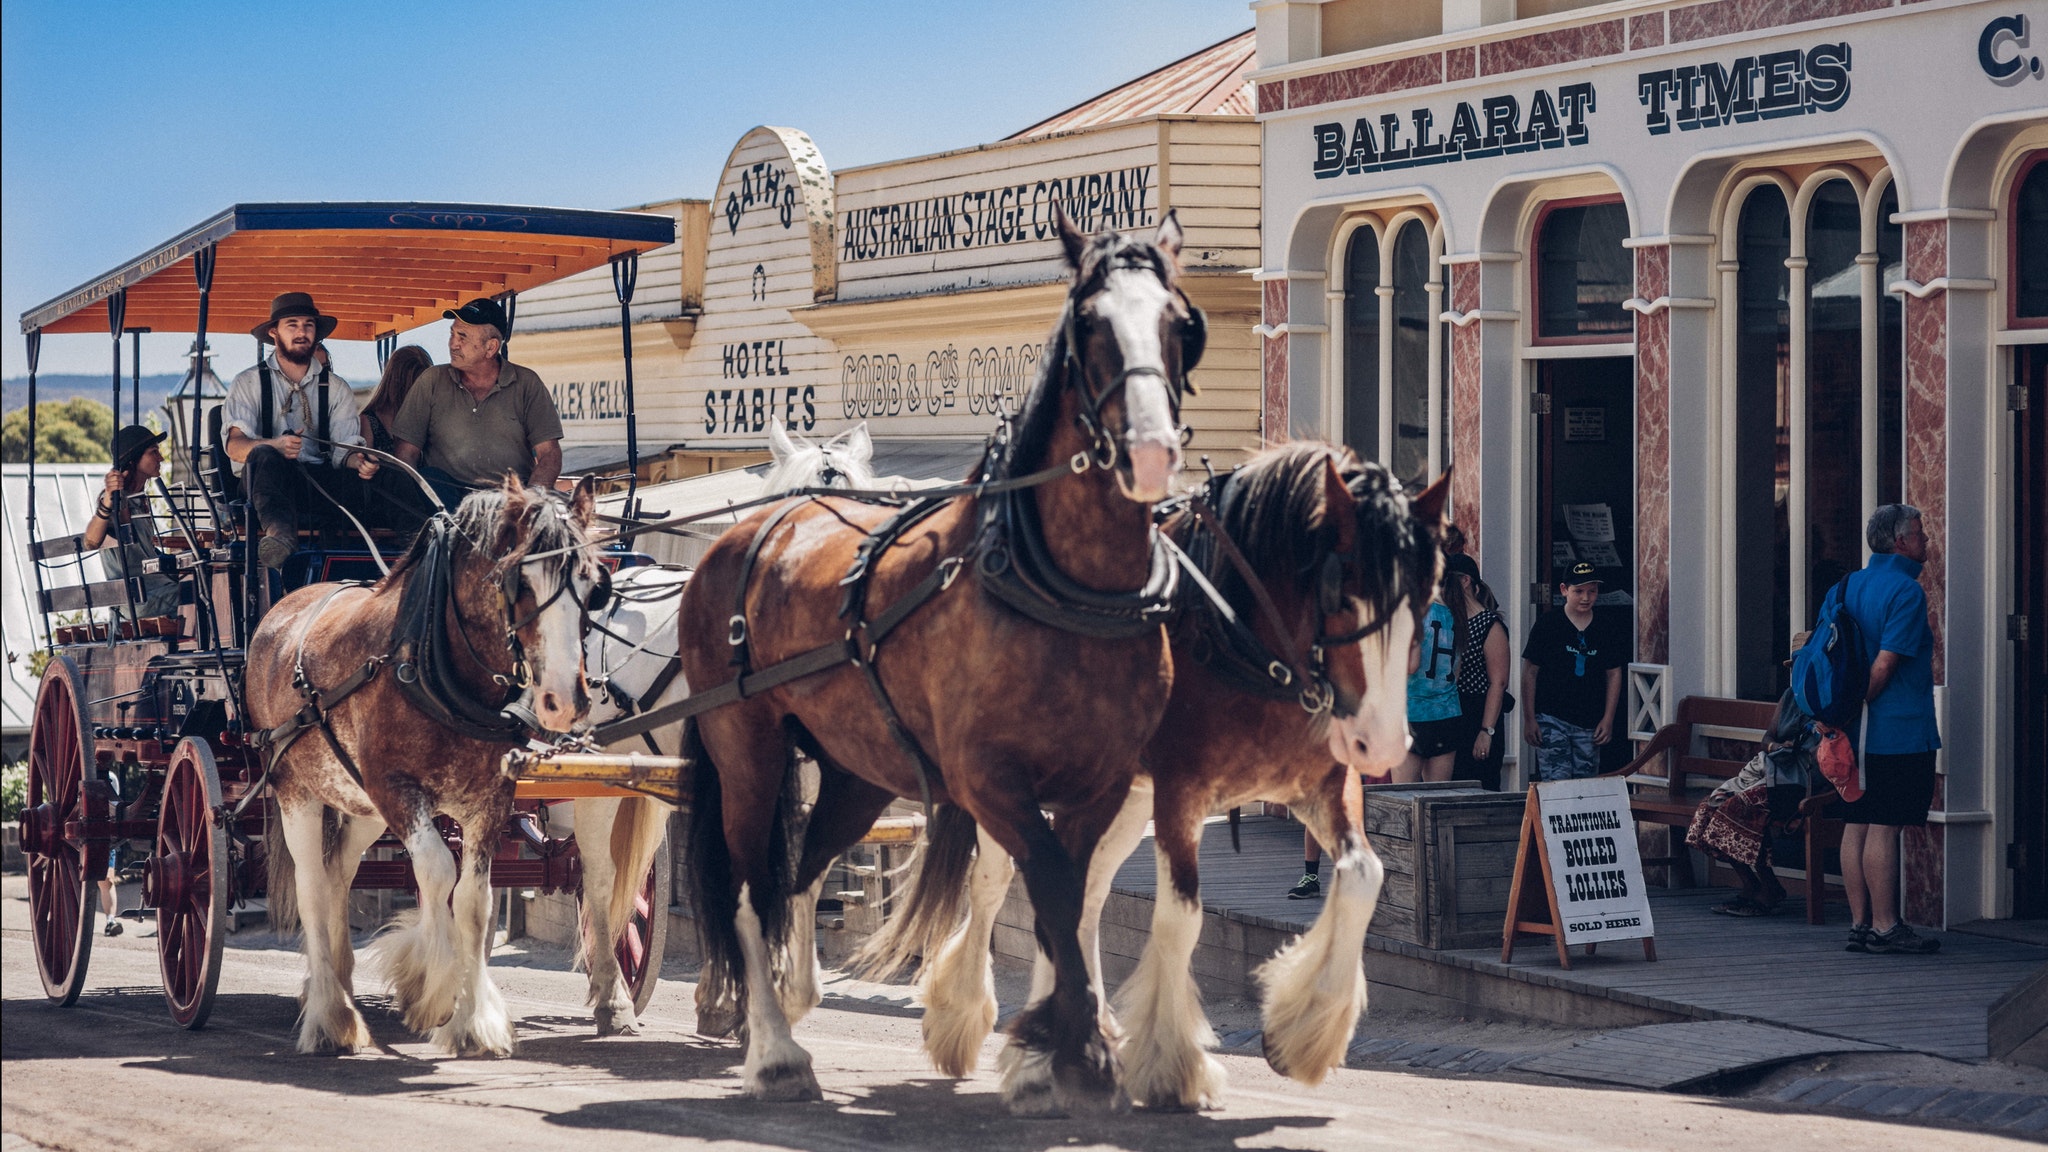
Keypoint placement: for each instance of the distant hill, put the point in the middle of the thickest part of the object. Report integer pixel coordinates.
(64, 386)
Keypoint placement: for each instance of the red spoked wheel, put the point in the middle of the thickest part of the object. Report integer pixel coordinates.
(62, 873)
(645, 936)
(187, 882)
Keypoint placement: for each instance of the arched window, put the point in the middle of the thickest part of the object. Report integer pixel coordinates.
(1583, 273)
(1832, 486)
(2030, 246)
(1362, 343)
(1763, 433)
(1413, 326)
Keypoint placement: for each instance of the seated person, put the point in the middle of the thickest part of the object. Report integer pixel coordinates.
(479, 416)
(281, 469)
(136, 462)
(1734, 823)
(391, 498)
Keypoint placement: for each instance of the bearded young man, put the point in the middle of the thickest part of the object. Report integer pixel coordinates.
(292, 424)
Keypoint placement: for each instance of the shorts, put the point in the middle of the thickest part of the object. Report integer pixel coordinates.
(1897, 789)
(1433, 738)
(1568, 751)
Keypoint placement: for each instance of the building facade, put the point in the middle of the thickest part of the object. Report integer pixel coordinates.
(1686, 290)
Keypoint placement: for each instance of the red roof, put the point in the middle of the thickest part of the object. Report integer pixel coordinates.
(1210, 82)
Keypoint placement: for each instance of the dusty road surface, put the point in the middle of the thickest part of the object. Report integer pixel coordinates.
(115, 1072)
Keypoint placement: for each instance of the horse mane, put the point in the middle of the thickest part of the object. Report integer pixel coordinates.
(1038, 418)
(547, 525)
(1268, 504)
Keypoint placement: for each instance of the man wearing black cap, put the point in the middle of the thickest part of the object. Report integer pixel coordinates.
(290, 427)
(1571, 676)
(479, 416)
(137, 461)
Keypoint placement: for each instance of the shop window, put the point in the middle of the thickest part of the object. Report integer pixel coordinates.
(1362, 343)
(1891, 353)
(1760, 559)
(2030, 245)
(1833, 480)
(1412, 331)
(1583, 273)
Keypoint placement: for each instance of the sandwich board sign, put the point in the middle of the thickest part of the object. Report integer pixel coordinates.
(1578, 877)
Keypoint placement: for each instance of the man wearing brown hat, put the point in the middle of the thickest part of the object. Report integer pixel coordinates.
(479, 416)
(291, 425)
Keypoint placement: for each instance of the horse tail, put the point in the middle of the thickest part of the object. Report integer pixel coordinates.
(637, 834)
(931, 906)
(714, 898)
(281, 891)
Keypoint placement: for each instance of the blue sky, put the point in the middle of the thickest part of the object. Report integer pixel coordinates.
(122, 123)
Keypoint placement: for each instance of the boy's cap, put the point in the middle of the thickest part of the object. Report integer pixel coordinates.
(1577, 574)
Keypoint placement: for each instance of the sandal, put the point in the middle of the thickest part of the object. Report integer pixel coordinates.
(1743, 906)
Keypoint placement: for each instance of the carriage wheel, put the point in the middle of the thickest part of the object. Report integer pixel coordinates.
(646, 934)
(188, 882)
(62, 876)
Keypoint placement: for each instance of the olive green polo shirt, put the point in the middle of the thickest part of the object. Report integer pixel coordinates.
(474, 441)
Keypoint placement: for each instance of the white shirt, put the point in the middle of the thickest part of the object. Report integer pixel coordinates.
(290, 406)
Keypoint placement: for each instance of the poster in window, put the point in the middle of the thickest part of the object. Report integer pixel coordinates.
(1585, 425)
(1590, 523)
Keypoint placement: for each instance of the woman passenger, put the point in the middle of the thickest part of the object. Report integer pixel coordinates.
(136, 462)
(394, 499)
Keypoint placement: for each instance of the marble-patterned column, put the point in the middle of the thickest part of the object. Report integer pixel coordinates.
(1923, 850)
(1465, 368)
(1273, 415)
(1653, 459)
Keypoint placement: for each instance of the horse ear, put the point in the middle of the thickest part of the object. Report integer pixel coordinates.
(1071, 239)
(1431, 506)
(859, 444)
(1169, 237)
(1340, 507)
(779, 444)
(583, 502)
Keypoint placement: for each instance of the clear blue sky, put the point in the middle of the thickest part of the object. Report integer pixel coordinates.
(123, 123)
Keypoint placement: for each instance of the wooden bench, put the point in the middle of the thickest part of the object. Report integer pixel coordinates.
(1708, 744)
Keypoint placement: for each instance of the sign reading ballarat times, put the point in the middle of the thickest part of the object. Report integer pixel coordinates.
(1595, 870)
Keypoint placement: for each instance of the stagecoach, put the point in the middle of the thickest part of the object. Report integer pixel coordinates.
(140, 738)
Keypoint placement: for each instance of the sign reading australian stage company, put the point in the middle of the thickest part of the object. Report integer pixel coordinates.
(1121, 198)
(1496, 126)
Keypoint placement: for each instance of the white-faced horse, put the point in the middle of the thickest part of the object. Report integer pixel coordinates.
(631, 655)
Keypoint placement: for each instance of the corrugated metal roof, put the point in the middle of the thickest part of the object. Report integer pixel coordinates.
(1210, 82)
(64, 500)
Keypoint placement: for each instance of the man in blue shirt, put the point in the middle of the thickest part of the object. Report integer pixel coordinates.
(1899, 739)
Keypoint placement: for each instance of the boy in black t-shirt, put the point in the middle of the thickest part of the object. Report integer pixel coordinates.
(1571, 676)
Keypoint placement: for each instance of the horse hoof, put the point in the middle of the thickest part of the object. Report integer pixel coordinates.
(784, 1084)
(718, 1020)
(1027, 1082)
(616, 1023)
(1084, 1092)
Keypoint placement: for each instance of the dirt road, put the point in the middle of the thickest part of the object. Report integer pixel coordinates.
(114, 1072)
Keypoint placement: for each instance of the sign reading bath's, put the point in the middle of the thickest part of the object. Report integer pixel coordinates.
(1595, 870)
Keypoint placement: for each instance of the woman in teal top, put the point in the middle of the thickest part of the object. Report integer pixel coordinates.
(1433, 705)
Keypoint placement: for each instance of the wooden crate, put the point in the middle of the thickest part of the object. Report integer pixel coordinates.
(1449, 852)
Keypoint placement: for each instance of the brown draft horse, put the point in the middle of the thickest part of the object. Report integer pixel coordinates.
(1016, 715)
(484, 615)
(1349, 563)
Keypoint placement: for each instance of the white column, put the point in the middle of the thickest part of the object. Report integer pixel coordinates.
(1434, 328)
(1795, 387)
(1386, 295)
(1867, 273)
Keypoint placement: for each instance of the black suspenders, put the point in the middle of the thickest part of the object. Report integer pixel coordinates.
(325, 424)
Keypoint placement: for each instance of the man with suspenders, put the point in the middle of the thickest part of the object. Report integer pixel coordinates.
(292, 430)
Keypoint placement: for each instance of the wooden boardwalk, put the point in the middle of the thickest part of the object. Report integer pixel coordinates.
(1777, 970)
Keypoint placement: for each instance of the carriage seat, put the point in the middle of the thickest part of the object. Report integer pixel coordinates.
(1707, 744)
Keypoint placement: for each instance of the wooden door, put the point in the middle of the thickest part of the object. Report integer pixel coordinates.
(2029, 633)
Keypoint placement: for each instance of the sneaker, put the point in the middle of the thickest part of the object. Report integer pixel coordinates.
(1859, 938)
(273, 551)
(113, 928)
(1900, 938)
(1310, 888)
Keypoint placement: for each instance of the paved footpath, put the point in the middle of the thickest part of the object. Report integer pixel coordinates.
(114, 1072)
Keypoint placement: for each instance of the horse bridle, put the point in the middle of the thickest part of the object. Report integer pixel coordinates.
(1103, 451)
(510, 585)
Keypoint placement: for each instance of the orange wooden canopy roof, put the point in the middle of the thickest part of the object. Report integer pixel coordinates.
(376, 267)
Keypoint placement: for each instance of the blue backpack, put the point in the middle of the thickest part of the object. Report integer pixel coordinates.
(1830, 675)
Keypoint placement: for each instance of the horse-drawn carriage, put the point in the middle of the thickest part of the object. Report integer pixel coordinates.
(141, 734)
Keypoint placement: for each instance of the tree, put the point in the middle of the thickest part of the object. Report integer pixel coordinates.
(75, 431)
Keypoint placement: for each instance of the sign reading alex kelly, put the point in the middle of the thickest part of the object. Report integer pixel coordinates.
(1590, 839)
